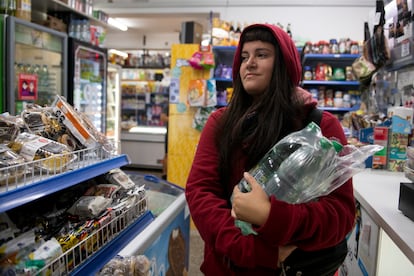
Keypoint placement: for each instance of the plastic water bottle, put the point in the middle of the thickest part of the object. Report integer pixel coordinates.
(291, 164)
(302, 170)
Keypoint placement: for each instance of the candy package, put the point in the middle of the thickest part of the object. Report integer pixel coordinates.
(54, 156)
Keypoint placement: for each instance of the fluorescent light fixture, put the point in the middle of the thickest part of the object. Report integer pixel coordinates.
(117, 24)
(117, 52)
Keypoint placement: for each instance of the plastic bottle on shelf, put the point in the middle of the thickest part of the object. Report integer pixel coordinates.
(307, 75)
(334, 47)
(12, 7)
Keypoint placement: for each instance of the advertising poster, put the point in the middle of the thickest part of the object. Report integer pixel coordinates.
(27, 89)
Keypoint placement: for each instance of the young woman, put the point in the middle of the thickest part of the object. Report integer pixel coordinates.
(267, 104)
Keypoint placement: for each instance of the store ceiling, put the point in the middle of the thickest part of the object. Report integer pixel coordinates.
(166, 16)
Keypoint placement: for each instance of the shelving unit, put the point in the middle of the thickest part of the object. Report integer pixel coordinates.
(59, 6)
(223, 58)
(345, 86)
(143, 98)
(109, 239)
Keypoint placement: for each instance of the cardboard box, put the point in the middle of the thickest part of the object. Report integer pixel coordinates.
(380, 158)
(55, 23)
(397, 154)
(366, 136)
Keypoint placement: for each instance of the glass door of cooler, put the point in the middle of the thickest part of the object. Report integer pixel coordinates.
(87, 87)
(36, 64)
(113, 104)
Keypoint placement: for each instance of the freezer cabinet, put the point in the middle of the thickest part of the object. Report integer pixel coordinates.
(145, 146)
(166, 240)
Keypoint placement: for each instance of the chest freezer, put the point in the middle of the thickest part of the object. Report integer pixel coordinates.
(165, 241)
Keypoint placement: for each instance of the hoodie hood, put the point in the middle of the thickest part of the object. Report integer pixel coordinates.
(287, 46)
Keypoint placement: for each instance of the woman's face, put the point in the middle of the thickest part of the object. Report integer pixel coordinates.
(257, 60)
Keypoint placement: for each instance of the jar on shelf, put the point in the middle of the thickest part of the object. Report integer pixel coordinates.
(334, 47)
(349, 74)
(307, 74)
(324, 47)
(338, 99)
(354, 48)
(308, 48)
(342, 46)
(346, 102)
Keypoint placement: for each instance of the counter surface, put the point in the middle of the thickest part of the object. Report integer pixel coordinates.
(378, 192)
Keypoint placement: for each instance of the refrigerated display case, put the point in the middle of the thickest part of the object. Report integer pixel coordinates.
(144, 98)
(114, 103)
(35, 62)
(166, 240)
(87, 71)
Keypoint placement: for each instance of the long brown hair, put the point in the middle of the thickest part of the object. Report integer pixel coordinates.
(256, 126)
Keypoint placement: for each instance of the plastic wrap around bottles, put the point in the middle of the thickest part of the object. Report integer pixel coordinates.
(305, 165)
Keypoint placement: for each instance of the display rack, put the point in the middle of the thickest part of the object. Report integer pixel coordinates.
(335, 61)
(223, 59)
(89, 255)
(35, 183)
(59, 6)
(92, 253)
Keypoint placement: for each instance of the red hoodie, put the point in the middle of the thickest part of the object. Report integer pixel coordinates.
(310, 226)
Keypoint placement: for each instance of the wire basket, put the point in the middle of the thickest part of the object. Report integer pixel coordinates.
(76, 255)
(27, 173)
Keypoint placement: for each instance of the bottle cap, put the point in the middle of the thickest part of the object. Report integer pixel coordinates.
(338, 146)
(325, 143)
(313, 127)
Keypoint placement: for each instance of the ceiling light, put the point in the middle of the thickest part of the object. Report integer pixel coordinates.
(117, 52)
(117, 24)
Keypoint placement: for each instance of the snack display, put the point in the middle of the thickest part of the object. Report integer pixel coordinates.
(71, 119)
(12, 164)
(127, 266)
(63, 229)
(55, 242)
(118, 176)
(55, 156)
(9, 127)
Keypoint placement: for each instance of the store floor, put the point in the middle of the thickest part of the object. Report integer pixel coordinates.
(196, 253)
(196, 243)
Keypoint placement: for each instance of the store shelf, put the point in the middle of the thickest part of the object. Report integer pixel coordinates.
(343, 57)
(36, 185)
(58, 6)
(340, 109)
(329, 83)
(326, 90)
(224, 79)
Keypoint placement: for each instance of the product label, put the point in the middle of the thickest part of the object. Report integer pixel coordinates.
(29, 149)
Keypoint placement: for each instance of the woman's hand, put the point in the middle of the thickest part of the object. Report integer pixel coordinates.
(252, 207)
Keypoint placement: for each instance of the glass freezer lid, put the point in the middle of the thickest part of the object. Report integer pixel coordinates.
(161, 194)
(153, 183)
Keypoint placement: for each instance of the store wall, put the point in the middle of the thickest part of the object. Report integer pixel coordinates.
(311, 23)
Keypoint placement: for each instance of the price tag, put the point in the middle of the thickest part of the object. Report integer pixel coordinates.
(405, 49)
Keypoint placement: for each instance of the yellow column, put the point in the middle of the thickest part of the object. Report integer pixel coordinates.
(182, 137)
